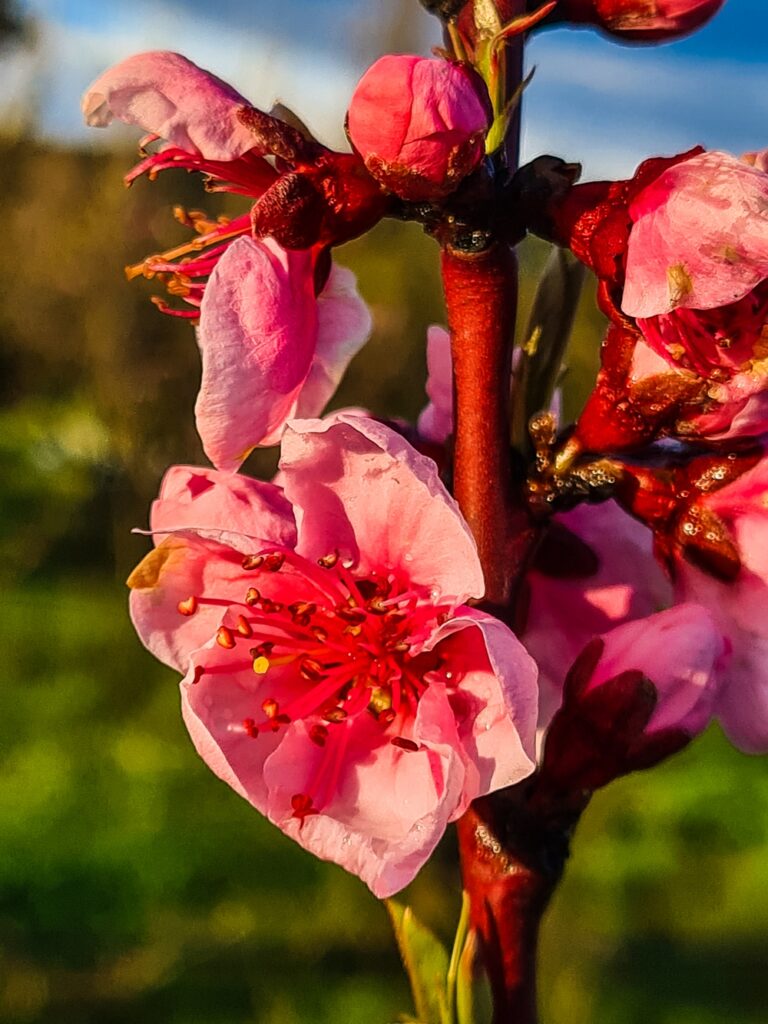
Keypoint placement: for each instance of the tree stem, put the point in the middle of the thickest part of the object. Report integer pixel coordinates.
(481, 298)
(510, 861)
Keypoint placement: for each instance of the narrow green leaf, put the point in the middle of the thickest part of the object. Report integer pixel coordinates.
(545, 339)
(474, 1001)
(426, 962)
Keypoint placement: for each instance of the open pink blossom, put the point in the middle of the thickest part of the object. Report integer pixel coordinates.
(335, 678)
(271, 350)
(419, 124)
(313, 197)
(596, 571)
(738, 606)
(697, 263)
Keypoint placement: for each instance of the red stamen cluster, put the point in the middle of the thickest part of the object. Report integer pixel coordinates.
(348, 643)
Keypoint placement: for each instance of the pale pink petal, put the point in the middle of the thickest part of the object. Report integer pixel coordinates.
(169, 96)
(359, 488)
(681, 650)
(215, 703)
(181, 567)
(494, 695)
(566, 613)
(257, 336)
(233, 509)
(391, 806)
(699, 238)
(343, 327)
(436, 421)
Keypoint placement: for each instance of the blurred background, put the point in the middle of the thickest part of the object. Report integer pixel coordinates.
(134, 886)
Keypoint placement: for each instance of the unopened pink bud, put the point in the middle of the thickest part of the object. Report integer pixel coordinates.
(419, 124)
(641, 20)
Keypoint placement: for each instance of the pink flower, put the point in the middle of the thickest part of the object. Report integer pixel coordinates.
(696, 270)
(316, 198)
(419, 124)
(641, 20)
(271, 350)
(334, 676)
(595, 571)
(738, 604)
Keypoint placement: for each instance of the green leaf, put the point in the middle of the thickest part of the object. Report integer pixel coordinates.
(545, 339)
(426, 962)
(474, 1001)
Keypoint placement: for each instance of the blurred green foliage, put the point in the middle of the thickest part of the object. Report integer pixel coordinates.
(134, 886)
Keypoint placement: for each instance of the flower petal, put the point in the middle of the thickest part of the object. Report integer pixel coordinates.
(494, 694)
(257, 336)
(390, 807)
(343, 327)
(436, 420)
(233, 509)
(681, 651)
(566, 612)
(360, 488)
(699, 237)
(181, 567)
(169, 96)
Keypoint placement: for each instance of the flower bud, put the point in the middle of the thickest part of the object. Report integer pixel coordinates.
(640, 20)
(419, 124)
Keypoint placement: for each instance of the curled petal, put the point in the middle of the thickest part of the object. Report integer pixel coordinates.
(184, 567)
(343, 327)
(257, 337)
(495, 701)
(224, 506)
(359, 488)
(172, 98)
(699, 237)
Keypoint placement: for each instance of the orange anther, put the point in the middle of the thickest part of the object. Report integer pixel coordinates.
(224, 638)
(187, 606)
(243, 626)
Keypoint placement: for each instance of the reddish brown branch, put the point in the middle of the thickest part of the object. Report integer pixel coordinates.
(510, 868)
(481, 298)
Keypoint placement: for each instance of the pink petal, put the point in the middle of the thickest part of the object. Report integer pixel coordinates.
(233, 509)
(565, 614)
(214, 709)
(343, 327)
(180, 567)
(391, 806)
(169, 96)
(360, 489)
(258, 331)
(699, 238)
(436, 421)
(495, 700)
(681, 651)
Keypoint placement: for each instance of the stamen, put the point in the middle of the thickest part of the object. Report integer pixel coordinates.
(224, 638)
(243, 626)
(188, 606)
(261, 665)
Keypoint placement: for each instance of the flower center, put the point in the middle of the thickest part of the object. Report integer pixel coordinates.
(329, 646)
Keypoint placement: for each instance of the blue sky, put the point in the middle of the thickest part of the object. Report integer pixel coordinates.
(591, 100)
